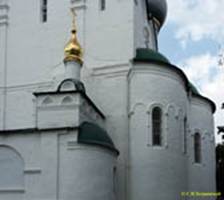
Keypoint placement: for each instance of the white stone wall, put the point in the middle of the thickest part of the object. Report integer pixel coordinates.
(86, 172)
(145, 86)
(144, 34)
(100, 47)
(155, 171)
(108, 88)
(4, 9)
(21, 107)
(109, 33)
(28, 148)
(201, 121)
(55, 167)
(60, 110)
(35, 50)
(33, 61)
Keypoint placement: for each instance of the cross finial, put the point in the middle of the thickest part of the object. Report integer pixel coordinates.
(73, 18)
(221, 56)
(73, 50)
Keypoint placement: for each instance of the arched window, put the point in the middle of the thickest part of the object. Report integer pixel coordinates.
(157, 126)
(197, 148)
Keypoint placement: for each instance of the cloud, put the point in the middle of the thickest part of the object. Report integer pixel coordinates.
(197, 19)
(201, 20)
(214, 89)
(203, 70)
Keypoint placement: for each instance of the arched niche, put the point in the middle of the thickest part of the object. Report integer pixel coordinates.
(11, 169)
(67, 100)
(48, 100)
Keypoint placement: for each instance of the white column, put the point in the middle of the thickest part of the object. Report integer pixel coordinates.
(72, 70)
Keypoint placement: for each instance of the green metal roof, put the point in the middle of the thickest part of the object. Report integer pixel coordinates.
(90, 133)
(143, 54)
(193, 88)
(149, 56)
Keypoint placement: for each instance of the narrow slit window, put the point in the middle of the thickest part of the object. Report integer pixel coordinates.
(102, 5)
(114, 179)
(185, 135)
(44, 11)
(197, 148)
(157, 126)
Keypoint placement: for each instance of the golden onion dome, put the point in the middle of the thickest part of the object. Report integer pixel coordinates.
(73, 50)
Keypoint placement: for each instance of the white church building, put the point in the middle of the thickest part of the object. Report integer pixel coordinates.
(108, 118)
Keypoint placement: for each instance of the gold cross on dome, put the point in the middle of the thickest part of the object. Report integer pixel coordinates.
(73, 18)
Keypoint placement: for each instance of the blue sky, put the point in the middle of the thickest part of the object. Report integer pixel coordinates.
(193, 39)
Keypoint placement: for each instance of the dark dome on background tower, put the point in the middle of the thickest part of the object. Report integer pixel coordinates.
(157, 9)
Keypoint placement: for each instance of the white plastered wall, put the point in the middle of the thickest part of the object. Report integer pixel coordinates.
(35, 49)
(201, 121)
(157, 167)
(57, 167)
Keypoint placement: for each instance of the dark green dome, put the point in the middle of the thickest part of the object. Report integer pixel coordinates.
(157, 9)
(193, 88)
(90, 133)
(143, 54)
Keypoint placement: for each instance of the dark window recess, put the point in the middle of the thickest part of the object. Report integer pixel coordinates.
(185, 135)
(197, 148)
(157, 126)
(114, 179)
(102, 4)
(44, 11)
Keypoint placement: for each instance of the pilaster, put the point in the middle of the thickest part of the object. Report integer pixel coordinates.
(4, 8)
(4, 21)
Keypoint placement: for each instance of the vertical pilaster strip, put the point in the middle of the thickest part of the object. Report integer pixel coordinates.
(4, 9)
